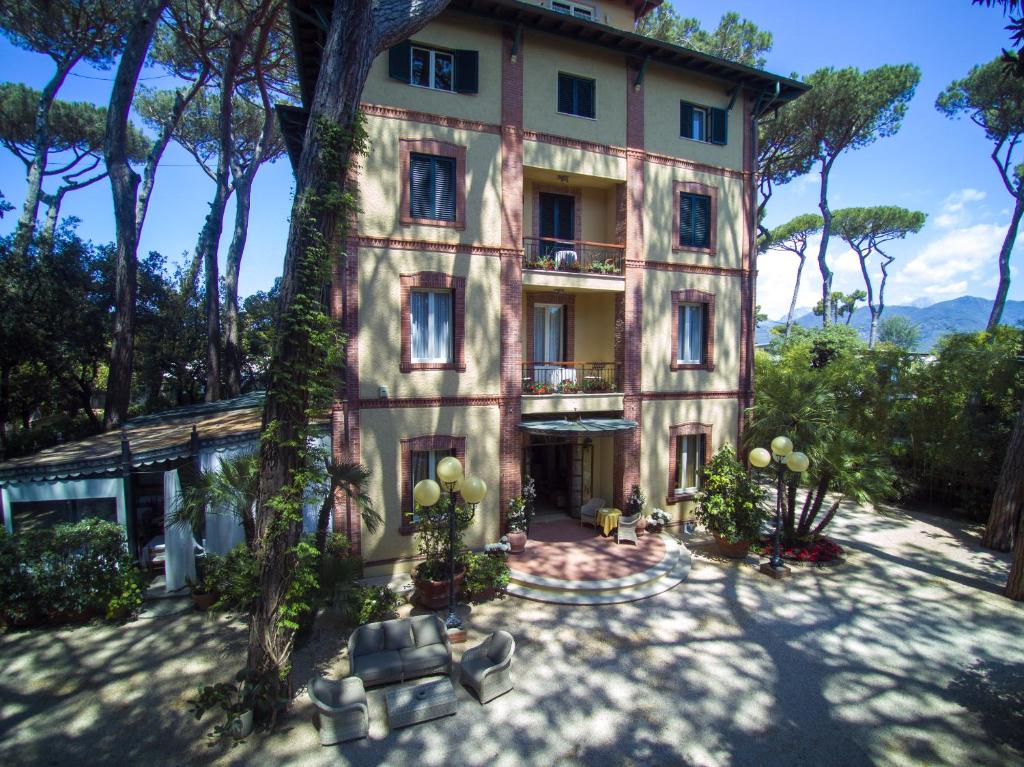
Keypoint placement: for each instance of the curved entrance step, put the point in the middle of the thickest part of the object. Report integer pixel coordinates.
(673, 569)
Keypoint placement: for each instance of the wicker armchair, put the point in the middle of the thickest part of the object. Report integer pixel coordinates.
(588, 511)
(487, 668)
(626, 531)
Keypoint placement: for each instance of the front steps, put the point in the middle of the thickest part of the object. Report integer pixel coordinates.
(672, 570)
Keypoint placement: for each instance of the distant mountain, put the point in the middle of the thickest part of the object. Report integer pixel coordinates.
(960, 315)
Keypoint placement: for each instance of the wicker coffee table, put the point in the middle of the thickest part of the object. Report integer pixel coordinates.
(413, 703)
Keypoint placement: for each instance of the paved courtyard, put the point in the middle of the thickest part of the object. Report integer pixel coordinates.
(907, 654)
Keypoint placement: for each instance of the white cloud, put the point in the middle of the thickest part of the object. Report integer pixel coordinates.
(969, 252)
(954, 208)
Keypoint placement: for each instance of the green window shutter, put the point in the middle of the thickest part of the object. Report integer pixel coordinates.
(398, 61)
(565, 91)
(719, 126)
(685, 219)
(585, 98)
(467, 67)
(685, 119)
(701, 220)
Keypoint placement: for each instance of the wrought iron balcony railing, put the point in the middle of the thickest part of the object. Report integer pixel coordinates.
(577, 256)
(571, 377)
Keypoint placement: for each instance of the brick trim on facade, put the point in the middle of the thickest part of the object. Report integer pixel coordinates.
(748, 287)
(415, 444)
(682, 430)
(716, 271)
(445, 121)
(568, 300)
(389, 403)
(407, 146)
(434, 280)
(691, 296)
(454, 248)
(511, 289)
(652, 396)
(693, 187)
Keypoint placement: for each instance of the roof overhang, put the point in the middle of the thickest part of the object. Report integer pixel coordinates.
(589, 427)
(311, 19)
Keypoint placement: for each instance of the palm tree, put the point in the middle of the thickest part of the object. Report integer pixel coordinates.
(352, 479)
(232, 486)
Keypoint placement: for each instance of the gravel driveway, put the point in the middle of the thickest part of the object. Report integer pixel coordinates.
(906, 654)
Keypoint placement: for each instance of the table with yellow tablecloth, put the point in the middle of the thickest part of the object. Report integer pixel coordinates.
(608, 519)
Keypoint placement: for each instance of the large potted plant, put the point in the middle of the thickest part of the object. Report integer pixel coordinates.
(240, 700)
(518, 522)
(487, 575)
(431, 575)
(209, 575)
(730, 504)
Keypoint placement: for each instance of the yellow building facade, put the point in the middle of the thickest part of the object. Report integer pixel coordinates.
(556, 225)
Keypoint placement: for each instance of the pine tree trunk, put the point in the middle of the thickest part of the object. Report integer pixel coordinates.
(1015, 583)
(1004, 261)
(124, 182)
(826, 233)
(359, 30)
(37, 167)
(232, 348)
(1006, 503)
(796, 292)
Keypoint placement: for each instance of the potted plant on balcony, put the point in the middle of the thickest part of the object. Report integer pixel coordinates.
(431, 575)
(730, 504)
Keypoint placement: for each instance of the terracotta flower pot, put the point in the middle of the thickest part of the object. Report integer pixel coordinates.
(204, 601)
(434, 594)
(641, 526)
(517, 539)
(732, 549)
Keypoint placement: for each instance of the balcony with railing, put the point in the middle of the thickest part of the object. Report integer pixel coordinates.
(571, 386)
(549, 254)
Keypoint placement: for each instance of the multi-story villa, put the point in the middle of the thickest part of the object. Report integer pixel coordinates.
(552, 273)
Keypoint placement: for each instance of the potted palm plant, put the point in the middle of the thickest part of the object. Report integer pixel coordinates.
(730, 504)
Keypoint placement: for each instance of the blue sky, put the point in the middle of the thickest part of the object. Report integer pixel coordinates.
(936, 165)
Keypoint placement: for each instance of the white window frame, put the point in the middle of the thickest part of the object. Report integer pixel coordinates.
(685, 354)
(699, 126)
(431, 302)
(579, 10)
(683, 458)
(432, 71)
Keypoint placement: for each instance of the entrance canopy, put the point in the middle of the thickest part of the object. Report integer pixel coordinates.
(563, 427)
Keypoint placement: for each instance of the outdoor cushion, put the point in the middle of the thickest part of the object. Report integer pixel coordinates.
(382, 666)
(498, 647)
(331, 695)
(397, 635)
(425, 628)
(369, 639)
(474, 665)
(419, 660)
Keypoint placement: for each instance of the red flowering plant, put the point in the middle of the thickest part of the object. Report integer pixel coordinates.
(821, 550)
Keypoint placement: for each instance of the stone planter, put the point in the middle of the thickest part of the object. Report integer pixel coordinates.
(433, 595)
(517, 540)
(732, 549)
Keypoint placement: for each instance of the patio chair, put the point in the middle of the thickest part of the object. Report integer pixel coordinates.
(588, 511)
(626, 531)
(487, 668)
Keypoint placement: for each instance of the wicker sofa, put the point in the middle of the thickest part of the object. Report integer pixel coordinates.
(396, 650)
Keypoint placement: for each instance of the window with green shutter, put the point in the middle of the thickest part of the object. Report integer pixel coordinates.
(575, 95)
(694, 220)
(432, 187)
(702, 123)
(443, 70)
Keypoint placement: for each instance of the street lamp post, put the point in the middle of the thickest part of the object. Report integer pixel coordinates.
(783, 457)
(427, 492)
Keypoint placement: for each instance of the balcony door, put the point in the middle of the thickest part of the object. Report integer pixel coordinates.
(557, 221)
(548, 343)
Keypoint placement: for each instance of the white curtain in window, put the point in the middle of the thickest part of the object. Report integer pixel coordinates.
(691, 332)
(179, 546)
(431, 325)
(547, 333)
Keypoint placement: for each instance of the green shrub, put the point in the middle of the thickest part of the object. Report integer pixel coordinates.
(730, 503)
(339, 567)
(67, 572)
(485, 572)
(235, 578)
(367, 604)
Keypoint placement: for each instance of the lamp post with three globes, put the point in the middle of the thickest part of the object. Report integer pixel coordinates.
(783, 456)
(427, 492)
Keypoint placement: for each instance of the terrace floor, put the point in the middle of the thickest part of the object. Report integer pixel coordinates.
(905, 655)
